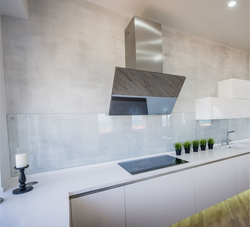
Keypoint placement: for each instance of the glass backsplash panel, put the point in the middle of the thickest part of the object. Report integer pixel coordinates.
(58, 141)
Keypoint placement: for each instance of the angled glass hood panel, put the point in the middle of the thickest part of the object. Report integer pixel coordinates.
(160, 105)
(128, 106)
(137, 92)
(141, 105)
(134, 82)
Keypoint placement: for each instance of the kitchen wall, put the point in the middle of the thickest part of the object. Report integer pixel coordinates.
(4, 149)
(59, 68)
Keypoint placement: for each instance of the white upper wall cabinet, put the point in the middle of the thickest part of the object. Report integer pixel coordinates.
(221, 108)
(233, 101)
(234, 89)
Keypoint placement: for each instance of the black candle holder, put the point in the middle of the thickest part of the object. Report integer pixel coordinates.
(22, 179)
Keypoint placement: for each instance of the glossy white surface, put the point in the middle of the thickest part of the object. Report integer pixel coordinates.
(215, 183)
(103, 209)
(221, 108)
(234, 89)
(219, 181)
(243, 164)
(154, 202)
(48, 203)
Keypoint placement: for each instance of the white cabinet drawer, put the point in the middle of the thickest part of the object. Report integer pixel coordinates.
(215, 183)
(102, 209)
(161, 201)
(243, 163)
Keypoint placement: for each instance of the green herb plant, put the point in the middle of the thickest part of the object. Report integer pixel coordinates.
(187, 145)
(210, 141)
(203, 142)
(196, 143)
(178, 146)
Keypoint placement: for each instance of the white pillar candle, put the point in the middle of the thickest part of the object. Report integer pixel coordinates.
(21, 160)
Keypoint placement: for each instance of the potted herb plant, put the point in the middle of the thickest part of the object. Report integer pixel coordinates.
(196, 144)
(178, 147)
(187, 146)
(210, 143)
(203, 143)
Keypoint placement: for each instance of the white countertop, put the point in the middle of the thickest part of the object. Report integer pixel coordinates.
(48, 203)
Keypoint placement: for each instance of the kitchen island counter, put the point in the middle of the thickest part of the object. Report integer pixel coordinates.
(48, 203)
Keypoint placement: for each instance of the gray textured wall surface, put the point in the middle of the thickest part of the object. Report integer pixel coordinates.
(4, 148)
(203, 62)
(62, 60)
(59, 68)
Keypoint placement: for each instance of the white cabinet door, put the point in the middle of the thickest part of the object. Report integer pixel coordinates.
(221, 108)
(161, 201)
(234, 88)
(102, 209)
(215, 183)
(243, 173)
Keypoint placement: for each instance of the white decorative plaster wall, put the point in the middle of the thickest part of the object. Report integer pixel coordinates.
(59, 68)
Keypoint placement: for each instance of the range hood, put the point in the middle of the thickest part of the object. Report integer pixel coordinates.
(141, 88)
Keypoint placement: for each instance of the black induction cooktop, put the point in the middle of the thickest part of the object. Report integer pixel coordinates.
(152, 163)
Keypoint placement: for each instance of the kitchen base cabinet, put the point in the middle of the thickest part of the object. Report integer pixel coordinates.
(215, 183)
(243, 173)
(161, 201)
(102, 209)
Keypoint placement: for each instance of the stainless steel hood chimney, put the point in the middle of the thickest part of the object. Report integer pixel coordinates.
(141, 88)
(143, 45)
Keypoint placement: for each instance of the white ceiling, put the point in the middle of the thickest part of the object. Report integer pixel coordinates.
(209, 19)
